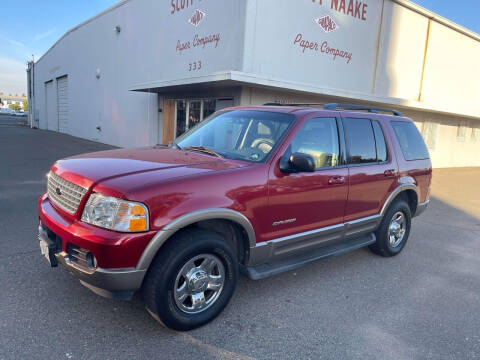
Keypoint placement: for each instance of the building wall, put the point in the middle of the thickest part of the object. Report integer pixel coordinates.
(125, 118)
(393, 53)
(440, 132)
(145, 48)
(396, 54)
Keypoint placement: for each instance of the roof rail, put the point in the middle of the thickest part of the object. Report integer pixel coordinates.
(278, 104)
(372, 109)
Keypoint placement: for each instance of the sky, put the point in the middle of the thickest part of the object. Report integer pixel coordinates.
(30, 27)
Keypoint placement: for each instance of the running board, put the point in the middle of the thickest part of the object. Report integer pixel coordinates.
(294, 262)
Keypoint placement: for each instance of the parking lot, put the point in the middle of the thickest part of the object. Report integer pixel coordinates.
(12, 119)
(422, 304)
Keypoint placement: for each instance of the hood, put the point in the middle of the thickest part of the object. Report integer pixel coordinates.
(88, 169)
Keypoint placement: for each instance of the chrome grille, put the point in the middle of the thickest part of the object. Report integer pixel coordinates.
(64, 194)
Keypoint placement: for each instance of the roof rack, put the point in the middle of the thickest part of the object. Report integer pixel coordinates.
(372, 109)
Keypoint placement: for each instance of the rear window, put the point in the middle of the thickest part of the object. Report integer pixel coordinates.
(410, 140)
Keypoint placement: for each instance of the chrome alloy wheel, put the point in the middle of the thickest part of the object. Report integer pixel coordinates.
(397, 229)
(199, 283)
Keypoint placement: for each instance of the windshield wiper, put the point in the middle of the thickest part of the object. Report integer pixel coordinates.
(176, 145)
(203, 149)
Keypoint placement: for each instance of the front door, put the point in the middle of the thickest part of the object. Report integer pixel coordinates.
(304, 202)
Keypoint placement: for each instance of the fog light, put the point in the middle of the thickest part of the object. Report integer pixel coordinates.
(91, 260)
(81, 258)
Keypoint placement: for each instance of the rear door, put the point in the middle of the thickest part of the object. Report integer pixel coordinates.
(373, 171)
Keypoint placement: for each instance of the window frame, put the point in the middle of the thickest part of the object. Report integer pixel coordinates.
(347, 143)
(341, 142)
(384, 139)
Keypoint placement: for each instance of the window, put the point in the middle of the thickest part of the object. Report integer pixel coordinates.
(430, 133)
(191, 112)
(361, 141)
(382, 154)
(318, 138)
(410, 140)
(475, 134)
(461, 132)
(209, 107)
(239, 134)
(181, 117)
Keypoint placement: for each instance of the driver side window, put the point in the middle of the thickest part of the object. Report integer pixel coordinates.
(319, 138)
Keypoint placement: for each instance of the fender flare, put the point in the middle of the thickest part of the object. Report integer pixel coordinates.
(187, 219)
(396, 192)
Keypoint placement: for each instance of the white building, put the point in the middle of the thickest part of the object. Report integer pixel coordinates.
(143, 71)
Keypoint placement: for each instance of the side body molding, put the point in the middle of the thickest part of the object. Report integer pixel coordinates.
(276, 249)
(187, 219)
(394, 194)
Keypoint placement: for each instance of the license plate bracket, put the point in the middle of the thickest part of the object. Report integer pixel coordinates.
(48, 248)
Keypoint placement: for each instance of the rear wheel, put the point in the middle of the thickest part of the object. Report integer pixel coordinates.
(191, 280)
(393, 232)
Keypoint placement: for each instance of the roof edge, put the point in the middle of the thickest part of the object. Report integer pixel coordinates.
(438, 18)
(253, 79)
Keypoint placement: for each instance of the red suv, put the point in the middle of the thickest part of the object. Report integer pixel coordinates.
(257, 189)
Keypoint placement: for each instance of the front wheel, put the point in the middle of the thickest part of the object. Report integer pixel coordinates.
(393, 232)
(191, 280)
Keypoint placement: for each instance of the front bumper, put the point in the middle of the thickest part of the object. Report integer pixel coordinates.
(108, 247)
(117, 283)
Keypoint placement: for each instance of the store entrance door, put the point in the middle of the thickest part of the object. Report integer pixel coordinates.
(182, 114)
(191, 112)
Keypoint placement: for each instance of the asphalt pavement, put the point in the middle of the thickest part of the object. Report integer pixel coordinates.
(422, 304)
(13, 119)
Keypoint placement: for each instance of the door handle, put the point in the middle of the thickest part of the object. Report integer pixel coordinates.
(389, 172)
(336, 180)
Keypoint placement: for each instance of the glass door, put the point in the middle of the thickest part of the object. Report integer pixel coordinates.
(189, 113)
(181, 117)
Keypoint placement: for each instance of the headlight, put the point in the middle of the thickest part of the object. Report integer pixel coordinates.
(115, 214)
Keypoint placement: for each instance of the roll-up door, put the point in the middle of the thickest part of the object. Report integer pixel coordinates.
(62, 104)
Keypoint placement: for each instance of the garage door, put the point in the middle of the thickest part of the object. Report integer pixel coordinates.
(62, 104)
(50, 108)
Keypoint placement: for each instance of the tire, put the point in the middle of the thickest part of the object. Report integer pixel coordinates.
(386, 245)
(173, 295)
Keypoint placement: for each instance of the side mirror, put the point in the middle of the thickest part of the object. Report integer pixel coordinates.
(297, 162)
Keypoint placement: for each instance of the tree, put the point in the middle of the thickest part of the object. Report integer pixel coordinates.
(15, 107)
(25, 105)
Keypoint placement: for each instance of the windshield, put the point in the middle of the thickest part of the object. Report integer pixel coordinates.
(239, 134)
